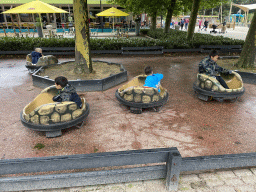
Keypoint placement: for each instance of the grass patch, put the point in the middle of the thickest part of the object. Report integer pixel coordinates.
(39, 146)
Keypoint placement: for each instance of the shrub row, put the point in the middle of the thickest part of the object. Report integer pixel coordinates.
(173, 40)
(178, 39)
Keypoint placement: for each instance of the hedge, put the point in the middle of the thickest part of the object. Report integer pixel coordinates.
(173, 40)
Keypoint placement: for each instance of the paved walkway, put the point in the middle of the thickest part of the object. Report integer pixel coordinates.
(237, 33)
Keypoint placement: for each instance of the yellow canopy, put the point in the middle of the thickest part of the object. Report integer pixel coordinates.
(35, 7)
(112, 12)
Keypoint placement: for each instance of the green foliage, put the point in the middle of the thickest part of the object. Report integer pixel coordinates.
(144, 31)
(39, 146)
(173, 40)
(38, 22)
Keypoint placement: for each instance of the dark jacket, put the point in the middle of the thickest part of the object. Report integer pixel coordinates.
(210, 67)
(68, 93)
(35, 56)
(206, 24)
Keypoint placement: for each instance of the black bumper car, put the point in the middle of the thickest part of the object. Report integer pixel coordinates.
(42, 114)
(137, 97)
(209, 88)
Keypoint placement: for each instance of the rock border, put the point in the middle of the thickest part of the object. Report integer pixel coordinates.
(84, 85)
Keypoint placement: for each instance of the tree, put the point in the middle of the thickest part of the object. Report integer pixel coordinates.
(170, 10)
(82, 51)
(247, 57)
(193, 16)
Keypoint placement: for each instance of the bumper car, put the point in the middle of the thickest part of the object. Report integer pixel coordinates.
(42, 61)
(208, 88)
(137, 97)
(42, 114)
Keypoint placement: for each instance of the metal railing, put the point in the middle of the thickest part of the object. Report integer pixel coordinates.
(153, 164)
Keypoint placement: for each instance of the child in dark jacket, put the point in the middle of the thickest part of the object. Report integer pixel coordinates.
(36, 55)
(66, 92)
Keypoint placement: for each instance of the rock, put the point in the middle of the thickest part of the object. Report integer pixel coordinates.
(55, 117)
(47, 60)
(52, 59)
(29, 63)
(32, 113)
(72, 107)
(146, 99)
(138, 90)
(44, 120)
(61, 108)
(26, 117)
(43, 61)
(149, 91)
(129, 91)
(46, 110)
(35, 119)
(215, 88)
(77, 113)
(128, 97)
(208, 84)
(66, 117)
(155, 98)
(137, 98)
(202, 85)
(29, 58)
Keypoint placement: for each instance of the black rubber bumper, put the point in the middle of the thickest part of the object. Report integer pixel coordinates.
(214, 94)
(56, 126)
(142, 105)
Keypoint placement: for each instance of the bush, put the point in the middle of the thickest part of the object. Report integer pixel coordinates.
(173, 40)
(144, 31)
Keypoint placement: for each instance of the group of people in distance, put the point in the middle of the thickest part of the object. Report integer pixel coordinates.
(66, 92)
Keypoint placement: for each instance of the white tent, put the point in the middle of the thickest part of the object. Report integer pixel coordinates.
(246, 9)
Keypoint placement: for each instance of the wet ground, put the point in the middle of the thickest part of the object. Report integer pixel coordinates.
(194, 126)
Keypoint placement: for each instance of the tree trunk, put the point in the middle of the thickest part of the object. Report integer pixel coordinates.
(82, 52)
(153, 26)
(169, 16)
(192, 20)
(247, 57)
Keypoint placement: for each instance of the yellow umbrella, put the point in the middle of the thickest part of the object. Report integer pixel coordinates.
(35, 7)
(112, 12)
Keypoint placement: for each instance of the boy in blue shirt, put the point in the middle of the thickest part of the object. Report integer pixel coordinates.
(152, 80)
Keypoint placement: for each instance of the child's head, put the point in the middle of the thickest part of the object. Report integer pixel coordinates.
(39, 50)
(214, 55)
(61, 82)
(148, 70)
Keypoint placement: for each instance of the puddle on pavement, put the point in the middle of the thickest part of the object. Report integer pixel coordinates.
(12, 75)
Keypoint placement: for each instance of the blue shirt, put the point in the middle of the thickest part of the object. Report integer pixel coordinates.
(35, 56)
(153, 80)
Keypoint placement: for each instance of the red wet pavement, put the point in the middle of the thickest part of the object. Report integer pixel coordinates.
(194, 126)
